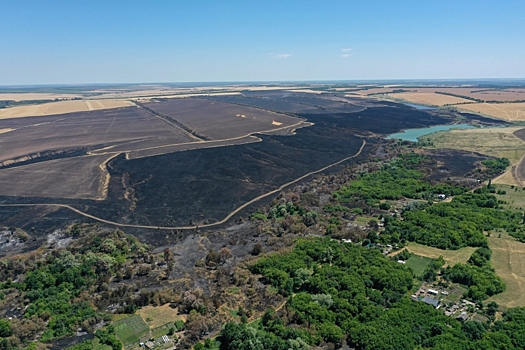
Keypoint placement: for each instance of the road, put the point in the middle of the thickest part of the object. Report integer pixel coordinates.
(228, 217)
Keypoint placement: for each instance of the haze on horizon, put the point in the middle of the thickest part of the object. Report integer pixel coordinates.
(65, 42)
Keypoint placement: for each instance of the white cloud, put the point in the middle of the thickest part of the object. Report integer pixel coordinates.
(346, 55)
(280, 55)
(346, 50)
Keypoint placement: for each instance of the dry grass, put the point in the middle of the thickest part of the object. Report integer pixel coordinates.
(160, 315)
(506, 111)
(497, 142)
(428, 98)
(451, 257)
(61, 107)
(508, 259)
(35, 96)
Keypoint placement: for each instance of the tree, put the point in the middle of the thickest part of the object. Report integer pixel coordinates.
(5, 329)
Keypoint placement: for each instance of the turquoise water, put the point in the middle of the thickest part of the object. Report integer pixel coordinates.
(416, 106)
(414, 134)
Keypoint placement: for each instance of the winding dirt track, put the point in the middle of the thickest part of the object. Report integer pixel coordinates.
(228, 217)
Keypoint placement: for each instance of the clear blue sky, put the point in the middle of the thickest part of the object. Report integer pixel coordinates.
(72, 41)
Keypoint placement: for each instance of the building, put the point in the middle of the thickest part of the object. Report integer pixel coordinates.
(149, 345)
(463, 317)
(433, 292)
(431, 301)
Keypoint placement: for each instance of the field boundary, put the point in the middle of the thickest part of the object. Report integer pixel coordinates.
(228, 217)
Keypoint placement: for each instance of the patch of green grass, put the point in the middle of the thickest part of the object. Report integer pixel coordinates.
(455, 293)
(234, 290)
(514, 197)
(97, 346)
(418, 264)
(159, 332)
(131, 329)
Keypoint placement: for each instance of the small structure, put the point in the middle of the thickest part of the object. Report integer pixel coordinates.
(149, 344)
(346, 240)
(165, 338)
(444, 292)
(401, 261)
(463, 317)
(433, 292)
(431, 301)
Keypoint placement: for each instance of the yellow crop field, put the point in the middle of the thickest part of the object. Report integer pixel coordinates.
(156, 316)
(61, 107)
(428, 98)
(506, 111)
(508, 259)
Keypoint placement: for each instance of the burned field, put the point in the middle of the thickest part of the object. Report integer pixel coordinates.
(90, 130)
(218, 121)
(160, 175)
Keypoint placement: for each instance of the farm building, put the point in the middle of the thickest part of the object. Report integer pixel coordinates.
(431, 301)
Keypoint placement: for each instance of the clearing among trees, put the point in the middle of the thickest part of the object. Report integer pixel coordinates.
(508, 259)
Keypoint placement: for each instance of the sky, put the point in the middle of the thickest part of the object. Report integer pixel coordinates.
(82, 42)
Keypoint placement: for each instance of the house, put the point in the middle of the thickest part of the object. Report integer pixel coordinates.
(149, 344)
(433, 292)
(431, 301)
(165, 338)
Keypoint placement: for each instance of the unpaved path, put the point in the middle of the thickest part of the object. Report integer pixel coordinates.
(228, 217)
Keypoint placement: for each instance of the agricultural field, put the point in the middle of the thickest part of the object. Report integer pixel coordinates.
(77, 177)
(428, 98)
(452, 257)
(512, 112)
(95, 129)
(273, 104)
(130, 330)
(61, 107)
(157, 316)
(508, 259)
(218, 120)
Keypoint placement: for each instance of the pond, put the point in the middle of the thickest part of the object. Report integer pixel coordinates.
(414, 134)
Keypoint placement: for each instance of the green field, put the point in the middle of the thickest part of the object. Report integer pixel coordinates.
(131, 329)
(514, 198)
(452, 257)
(418, 264)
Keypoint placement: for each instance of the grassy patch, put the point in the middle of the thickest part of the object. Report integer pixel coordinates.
(98, 346)
(455, 293)
(234, 290)
(497, 142)
(515, 197)
(508, 259)
(418, 264)
(159, 332)
(452, 257)
(131, 329)
(157, 316)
